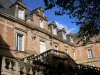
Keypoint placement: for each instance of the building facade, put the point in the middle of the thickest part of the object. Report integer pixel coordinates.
(24, 32)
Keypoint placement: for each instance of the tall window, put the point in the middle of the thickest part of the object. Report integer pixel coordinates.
(41, 24)
(19, 42)
(74, 55)
(90, 53)
(42, 46)
(20, 13)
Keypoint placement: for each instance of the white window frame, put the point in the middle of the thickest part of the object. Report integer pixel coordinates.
(74, 54)
(20, 13)
(41, 23)
(90, 53)
(43, 46)
(17, 42)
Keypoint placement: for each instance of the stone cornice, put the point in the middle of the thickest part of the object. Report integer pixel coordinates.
(14, 19)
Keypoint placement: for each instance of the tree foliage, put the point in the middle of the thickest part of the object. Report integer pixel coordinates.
(86, 13)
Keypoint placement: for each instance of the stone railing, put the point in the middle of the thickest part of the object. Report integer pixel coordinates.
(11, 66)
(87, 70)
(50, 58)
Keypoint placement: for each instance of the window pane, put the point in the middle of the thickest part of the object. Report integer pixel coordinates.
(41, 23)
(20, 13)
(90, 53)
(19, 42)
(42, 47)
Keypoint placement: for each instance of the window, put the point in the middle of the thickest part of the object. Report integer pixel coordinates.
(41, 23)
(42, 47)
(74, 55)
(64, 36)
(71, 39)
(90, 53)
(20, 13)
(54, 31)
(19, 42)
(56, 47)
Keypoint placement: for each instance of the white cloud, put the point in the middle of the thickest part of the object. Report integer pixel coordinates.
(60, 26)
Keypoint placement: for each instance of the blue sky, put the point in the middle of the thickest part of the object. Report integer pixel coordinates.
(61, 21)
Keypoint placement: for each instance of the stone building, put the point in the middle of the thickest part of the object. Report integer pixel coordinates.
(24, 33)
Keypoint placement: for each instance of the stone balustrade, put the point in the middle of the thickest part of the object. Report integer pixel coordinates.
(11, 66)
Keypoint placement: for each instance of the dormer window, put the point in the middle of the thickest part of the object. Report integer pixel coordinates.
(41, 24)
(20, 13)
(71, 39)
(64, 36)
(54, 31)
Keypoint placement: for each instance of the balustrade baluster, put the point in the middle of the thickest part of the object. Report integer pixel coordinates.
(17, 68)
(13, 65)
(24, 70)
(3, 64)
(10, 65)
(31, 71)
(25, 60)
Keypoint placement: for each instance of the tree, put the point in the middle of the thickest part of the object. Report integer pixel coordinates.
(86, 13)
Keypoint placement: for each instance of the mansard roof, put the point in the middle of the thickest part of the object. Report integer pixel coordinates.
(5, 7)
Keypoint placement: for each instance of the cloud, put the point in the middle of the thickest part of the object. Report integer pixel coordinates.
(69, 30)
(60, 26)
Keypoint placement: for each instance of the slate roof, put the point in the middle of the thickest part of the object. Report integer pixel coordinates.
(5, 7)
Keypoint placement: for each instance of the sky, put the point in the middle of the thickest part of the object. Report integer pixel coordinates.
(61, 21)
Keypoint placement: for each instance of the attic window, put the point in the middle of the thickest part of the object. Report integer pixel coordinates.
(64, 36)
(54, 31)
(20, 13)
(41, 23)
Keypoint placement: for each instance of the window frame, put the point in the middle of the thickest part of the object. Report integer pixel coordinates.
(21, 16)
(41, 23)
(44, 46)
(90, 53)
(17, 42)
(54, 31)
(74, 55)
